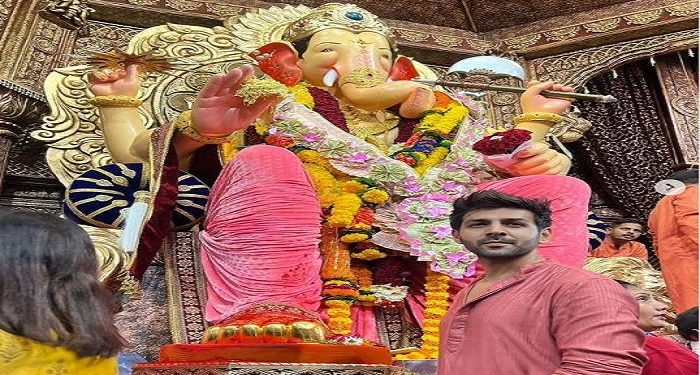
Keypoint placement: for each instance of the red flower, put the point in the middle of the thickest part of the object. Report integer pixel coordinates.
(502, 142)
(279, 140)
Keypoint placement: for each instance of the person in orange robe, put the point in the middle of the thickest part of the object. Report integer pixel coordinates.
(620, 241)
(674, 226)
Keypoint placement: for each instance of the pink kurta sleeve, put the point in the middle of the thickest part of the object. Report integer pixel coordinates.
(595, 326)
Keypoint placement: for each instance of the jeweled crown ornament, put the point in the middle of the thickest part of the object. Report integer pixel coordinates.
(338, 16)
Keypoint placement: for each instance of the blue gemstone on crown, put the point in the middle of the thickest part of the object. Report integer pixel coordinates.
(355, 16)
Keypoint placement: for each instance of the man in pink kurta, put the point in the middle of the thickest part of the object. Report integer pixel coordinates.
(528, 315)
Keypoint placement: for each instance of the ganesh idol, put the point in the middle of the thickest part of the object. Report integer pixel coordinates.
(333, 197)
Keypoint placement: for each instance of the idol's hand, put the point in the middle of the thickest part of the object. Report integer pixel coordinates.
(540, 159)
(217, 111)
(109, 81)
(532, 101)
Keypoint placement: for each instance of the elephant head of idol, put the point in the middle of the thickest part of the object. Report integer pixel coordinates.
(352, 54)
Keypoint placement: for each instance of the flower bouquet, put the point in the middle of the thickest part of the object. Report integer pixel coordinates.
(500, 147)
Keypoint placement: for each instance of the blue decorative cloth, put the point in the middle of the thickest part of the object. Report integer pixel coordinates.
(99, 196)
(596, 230)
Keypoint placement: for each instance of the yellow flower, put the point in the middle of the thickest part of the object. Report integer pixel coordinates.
(337, 303)
(344, 209)
(416, 355)
(327, 187)
(354, 237)
(369, 255)
(302, 95)
(375, 196)
(435, 312)
(339, 312)
(353, 186)
(438, 155)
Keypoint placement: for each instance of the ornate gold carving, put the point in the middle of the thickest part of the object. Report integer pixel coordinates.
(261, 26)
(482, 45)
(412, 36)
(143, 2)
(225, 10)
(111, 259)
(602, 25)
(183, 5)
(643, 18)
(522, 41)
(574, 68)
(337, 16)
(76, 144)
(683, 9)
(70, 14)
(561, 34)
(448, 41)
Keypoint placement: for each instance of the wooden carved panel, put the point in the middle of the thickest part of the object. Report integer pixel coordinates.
(575, 68)
(680, 88)
(47, 43)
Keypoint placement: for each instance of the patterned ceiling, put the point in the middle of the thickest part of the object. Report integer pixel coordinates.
(482, 15)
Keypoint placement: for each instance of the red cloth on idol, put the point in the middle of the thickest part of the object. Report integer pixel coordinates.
(668, 358)
(547, 319)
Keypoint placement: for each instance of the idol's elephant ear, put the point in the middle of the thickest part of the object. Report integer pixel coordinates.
(279, 61)
(403, 69)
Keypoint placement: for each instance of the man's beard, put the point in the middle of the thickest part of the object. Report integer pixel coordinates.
(512, 249)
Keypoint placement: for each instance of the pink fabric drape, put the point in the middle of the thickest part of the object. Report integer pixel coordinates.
(261, 235)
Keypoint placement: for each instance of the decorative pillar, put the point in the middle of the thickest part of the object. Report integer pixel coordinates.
(679, 85)
(19, 107)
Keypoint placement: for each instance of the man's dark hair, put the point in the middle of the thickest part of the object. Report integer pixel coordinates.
(49, 290)
(491, 199)
(627, 220)
(688, 176)
(687, 322)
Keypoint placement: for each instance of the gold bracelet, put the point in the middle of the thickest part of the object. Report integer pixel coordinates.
(116, 101)
(183, 124)
(537, 116)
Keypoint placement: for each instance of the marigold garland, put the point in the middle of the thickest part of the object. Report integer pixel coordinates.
(302, 95)
(326, 186)
(344, 209)
(436, 286)
(364, 281)
(339, 287)
(433, 159)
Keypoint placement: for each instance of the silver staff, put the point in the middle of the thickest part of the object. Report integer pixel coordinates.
(519, 90)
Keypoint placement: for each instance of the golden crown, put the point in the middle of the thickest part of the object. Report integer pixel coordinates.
(337, 16)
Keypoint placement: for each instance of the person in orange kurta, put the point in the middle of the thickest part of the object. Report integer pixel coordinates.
(674, 226)
(620, 241)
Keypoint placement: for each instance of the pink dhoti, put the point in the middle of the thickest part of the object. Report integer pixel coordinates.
(261, 236)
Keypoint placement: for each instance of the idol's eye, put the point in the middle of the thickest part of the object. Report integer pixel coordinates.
(327, 50)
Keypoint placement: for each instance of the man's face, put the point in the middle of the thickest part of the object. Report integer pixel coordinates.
(626, 232)
(500, 233)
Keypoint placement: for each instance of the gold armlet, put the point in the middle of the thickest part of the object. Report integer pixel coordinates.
(183, 124)
(537, 116)
(116, 101)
